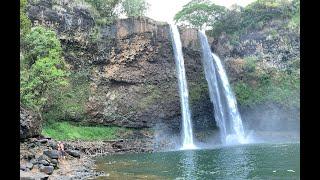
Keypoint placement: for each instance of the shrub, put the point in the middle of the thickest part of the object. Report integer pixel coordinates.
(39, 42)
(250, 64)
(45, 74)
(134, 7)
(105, 8)
(43, 68)
(199, 14)
(69, 102)
(25, 23)
(278, 86)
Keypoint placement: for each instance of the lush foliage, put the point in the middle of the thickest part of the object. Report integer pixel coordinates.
(68, 131)
(266, 85)
(203, 13)
(106, 10)
(42, 69)
(135, 7)
(25, 23)
(68, 103)
(38, 43)
(256, 14)
(199, 13)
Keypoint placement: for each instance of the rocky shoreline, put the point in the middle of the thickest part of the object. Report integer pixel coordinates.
(39, 157)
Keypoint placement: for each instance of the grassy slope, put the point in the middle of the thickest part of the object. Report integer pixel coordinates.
(69, 131)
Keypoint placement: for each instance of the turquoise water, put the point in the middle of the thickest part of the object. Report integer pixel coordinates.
(254, 161)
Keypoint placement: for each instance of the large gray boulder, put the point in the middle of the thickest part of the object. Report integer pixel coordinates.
(30, 123)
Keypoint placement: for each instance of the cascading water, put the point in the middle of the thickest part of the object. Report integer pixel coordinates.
(222, 97)
(187, 135)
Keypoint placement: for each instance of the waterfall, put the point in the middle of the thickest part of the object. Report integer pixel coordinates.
(226, 112)
(187, 135)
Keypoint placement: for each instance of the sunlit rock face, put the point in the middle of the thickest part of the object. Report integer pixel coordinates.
(129, 65)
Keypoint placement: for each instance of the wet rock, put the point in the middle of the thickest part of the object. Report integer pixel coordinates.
(46, 169)
(53, 154)
(73, 153)
(44, 162)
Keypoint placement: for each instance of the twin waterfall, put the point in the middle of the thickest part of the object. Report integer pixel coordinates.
(224, 102)
(226, 113)
(187, 135)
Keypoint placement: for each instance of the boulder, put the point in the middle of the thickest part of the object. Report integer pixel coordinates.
(43, 157)
(32, 176)
(54, 161)
(46, 169)
(23, 167)
(43, 141)
(29, 165)
(73, 153)
(30, 123)
(44, 162)
(34, 161)
(52, 144)
(53, 154)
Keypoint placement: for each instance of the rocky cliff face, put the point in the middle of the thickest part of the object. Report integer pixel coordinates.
(274, 45)
(129, 65)
(271, 46)
(30, 124)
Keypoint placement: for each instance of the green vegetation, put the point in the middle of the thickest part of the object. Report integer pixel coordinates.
(68, 103)
(135, 7)
(198, 91)
(25, 23)
(266, 85)
(43, 68)
(255, 15)
(199, 13)
(203, 13)
(68, 131)
(105, 10)
(38, 43)
(153, 96)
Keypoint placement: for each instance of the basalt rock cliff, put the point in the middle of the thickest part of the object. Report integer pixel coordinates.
(129, 65)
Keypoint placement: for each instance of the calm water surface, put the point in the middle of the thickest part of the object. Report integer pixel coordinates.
(254, 161)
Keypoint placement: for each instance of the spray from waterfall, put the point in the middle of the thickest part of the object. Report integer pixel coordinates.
(187, 135)
(226, 112)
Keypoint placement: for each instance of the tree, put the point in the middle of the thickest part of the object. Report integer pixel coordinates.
(47, 72)
(25, 23)
(38, 43)
(199, 13)
(105, 8)
(135, 7)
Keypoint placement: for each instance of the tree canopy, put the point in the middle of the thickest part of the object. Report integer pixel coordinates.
(199, 13)
(135, 7)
